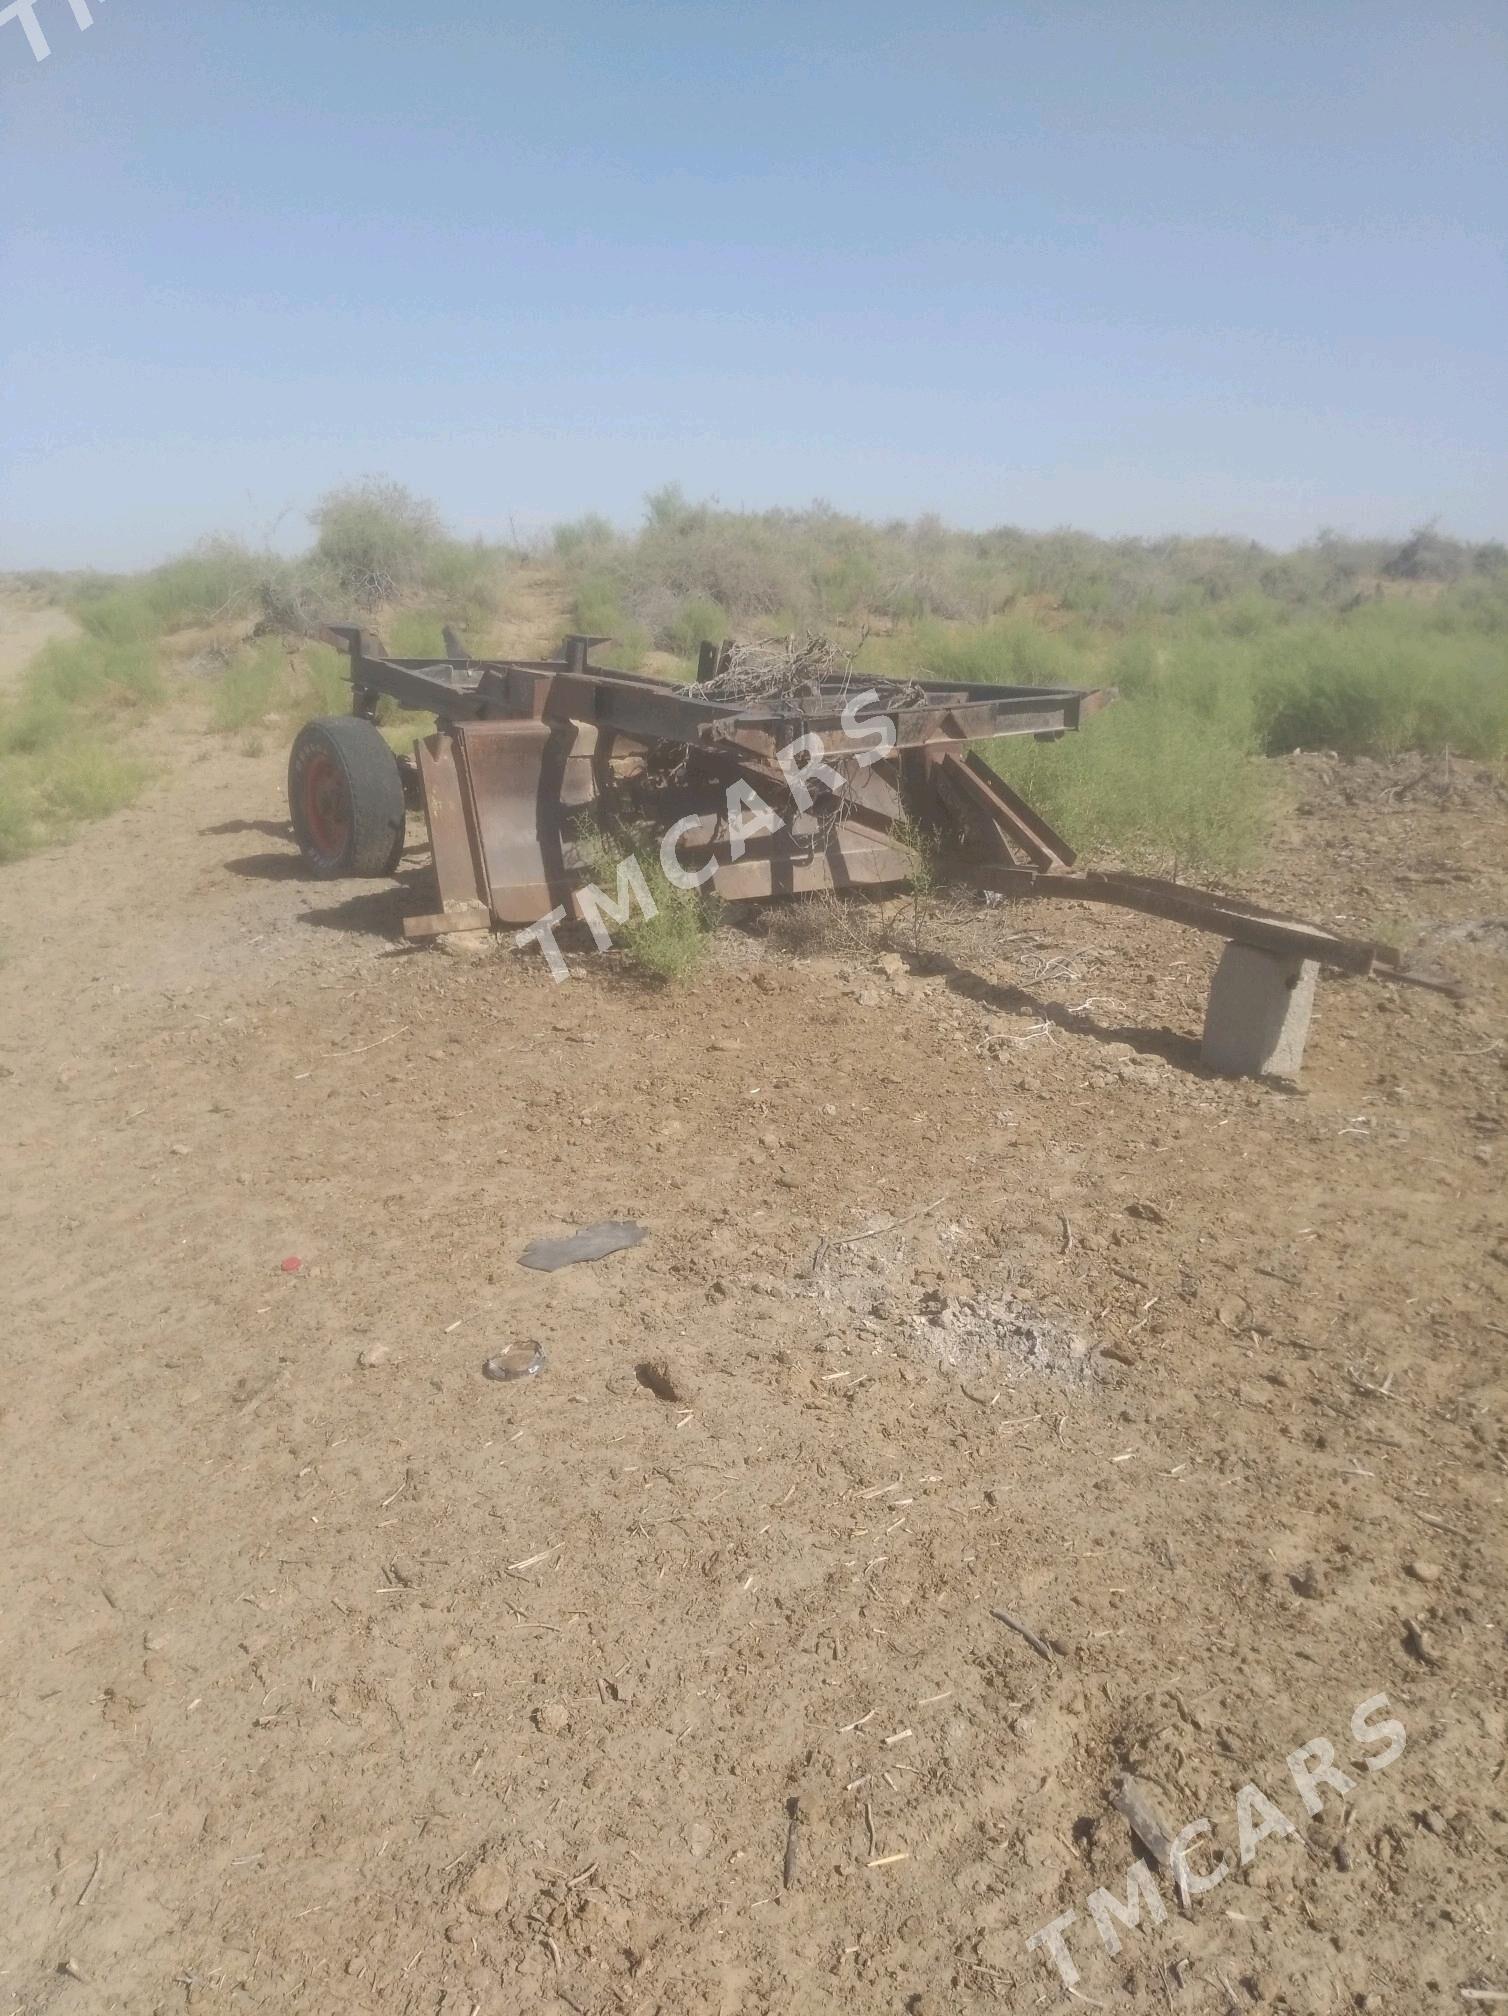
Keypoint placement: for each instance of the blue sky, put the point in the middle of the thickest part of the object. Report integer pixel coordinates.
(1136, 267)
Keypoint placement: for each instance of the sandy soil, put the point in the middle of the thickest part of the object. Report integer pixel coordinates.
(340, 1678)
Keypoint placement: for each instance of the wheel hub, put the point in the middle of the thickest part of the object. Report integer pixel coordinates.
(327, 810)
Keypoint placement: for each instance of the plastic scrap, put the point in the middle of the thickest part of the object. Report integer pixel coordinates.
(502, 1366)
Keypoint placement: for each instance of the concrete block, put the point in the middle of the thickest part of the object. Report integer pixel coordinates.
(1258, 1013)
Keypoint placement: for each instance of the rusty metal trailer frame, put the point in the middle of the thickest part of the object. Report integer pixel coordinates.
(524, 747)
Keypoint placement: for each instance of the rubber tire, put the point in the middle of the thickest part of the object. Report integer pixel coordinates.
(372, 787)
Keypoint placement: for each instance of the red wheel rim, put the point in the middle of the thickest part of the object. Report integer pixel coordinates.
(326, 810)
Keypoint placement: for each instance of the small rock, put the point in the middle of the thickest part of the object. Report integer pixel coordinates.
(553, 1719)
(488, 1891)
(1419, 1645)
(466, 944)
(1434, 1820)
(665, 1380)
(1423, 1571)
(373, 1356)
(1310, 1582)
(1149, 1214)
(699, 1839)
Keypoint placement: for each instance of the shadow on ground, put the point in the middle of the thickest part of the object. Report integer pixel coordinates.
(377, 909)
(275, 829)
(1169, 1044)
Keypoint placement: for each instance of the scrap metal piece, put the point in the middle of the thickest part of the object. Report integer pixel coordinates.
(592, 1242)
(1231, 917)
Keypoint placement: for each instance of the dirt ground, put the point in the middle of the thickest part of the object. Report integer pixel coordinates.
(340, 1678)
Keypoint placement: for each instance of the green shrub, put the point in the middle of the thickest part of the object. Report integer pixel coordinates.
(697, 621)
(669, 946)
(124, 615)
(45, 794)
(61, 760)
(70, 685)
(319, 682)
(18, 812)
(216, 580)
(582, 536)
(376, 539)
(296, 596)
(820, 565)
(416, 633)
(465, 582)
(1161, 788)
(268, 679)
(85, 779)
(39, 720)
(251, 687)
(597, 612)
(1009, 652)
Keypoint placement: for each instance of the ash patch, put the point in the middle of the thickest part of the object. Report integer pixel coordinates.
(1000, 1339)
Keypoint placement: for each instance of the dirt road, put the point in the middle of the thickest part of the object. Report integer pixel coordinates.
(340, 1678)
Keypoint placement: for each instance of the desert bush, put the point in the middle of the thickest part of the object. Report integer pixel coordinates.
(1426, 556)
(671, 945)
(1380, 678)
(266, 679)
(318, 682)
(45, 799)
(597, 611)
(218, 579)
(62, 758)
(464, 579)
(416, 633)
(1009, 652)
(1149, 783)
(87, 779)
(86, 675)
(18, 814)
(294, 597)
(376, 539)
(253, 685)
(821, 565)
(121, 615)
(582, 536)
(697, 621)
